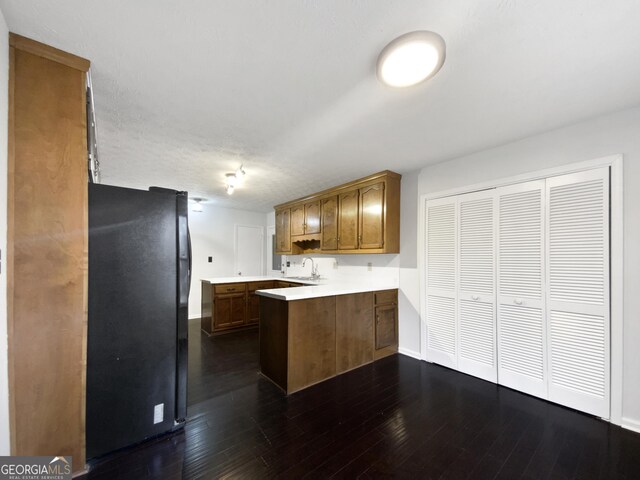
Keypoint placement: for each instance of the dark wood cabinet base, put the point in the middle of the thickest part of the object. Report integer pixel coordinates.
(305, 342)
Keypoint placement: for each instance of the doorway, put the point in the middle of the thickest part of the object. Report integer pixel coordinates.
(249, 250)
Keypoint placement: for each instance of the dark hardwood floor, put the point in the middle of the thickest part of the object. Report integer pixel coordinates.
(221, 364)
(396, 418)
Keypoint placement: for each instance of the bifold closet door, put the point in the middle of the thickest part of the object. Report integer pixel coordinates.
(476, 290)
(578, 290)
(522, 359)
(442, 282)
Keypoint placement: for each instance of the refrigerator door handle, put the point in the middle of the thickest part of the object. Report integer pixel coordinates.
(190, 259)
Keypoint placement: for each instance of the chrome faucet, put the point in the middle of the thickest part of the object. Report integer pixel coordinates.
(314, 268)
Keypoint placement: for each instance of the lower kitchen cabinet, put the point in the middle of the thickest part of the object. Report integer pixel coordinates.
(386, 324)
(303, 342)
(229, 310)
(232, 306)
(354, 330)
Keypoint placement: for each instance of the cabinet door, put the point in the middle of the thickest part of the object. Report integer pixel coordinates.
(330, 223)
(253, 308)
(283, 230)
(386, 321)
(229, 310)
(312, 218)
(371, 233)
(348, 221)
(297, 220)
(354, 330)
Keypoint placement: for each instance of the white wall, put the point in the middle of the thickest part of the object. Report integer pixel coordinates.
(212, 234)
(409, 293)
(4, 116)
(610, 134)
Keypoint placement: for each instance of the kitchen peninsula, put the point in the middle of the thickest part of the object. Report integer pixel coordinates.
(312, 333)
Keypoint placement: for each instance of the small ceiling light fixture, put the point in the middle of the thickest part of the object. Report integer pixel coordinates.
(411, 58)
(197, 207)
(232, 181)
(240, 173)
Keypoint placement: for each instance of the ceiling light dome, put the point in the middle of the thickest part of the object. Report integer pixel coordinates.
(411, 59)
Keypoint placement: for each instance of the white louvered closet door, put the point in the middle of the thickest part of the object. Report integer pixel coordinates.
(441, 285)
(476, 289)
(522, 362)
(578, 290)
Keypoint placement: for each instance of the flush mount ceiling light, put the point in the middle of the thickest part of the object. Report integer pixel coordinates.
(411, 59)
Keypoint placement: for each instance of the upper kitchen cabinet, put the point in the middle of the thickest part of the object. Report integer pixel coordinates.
(305, 219)
(371, 217)
(329, 223)
(283, 230)
(362, 216)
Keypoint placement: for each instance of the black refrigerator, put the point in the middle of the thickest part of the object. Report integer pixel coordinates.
(139, 278)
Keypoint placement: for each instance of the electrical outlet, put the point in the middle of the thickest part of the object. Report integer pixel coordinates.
(158, 413)
(210, 259)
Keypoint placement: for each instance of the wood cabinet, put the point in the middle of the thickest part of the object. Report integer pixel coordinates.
(305, 219)
(386, 323)
(329, 223)
(303, 342)
(371, 217)
(230, 306)
(297, 220)
(46, 257)
(283, 231)
(362, 216)
(229, 310)
(354, 331)
(348, 220)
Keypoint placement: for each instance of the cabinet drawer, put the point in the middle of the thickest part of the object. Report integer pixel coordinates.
(230, 288)
(385, 296)
(253, 286)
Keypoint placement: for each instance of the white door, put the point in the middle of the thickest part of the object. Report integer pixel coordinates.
(522, 360)
(441, 282)
(476, 290)
(249, 250)
(578, 290)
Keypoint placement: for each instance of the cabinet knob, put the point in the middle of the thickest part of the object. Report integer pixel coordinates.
(518, 301)
(475, 297)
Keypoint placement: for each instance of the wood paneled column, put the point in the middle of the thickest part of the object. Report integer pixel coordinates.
(47, 250)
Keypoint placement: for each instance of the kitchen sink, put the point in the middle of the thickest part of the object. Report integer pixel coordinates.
(301, 278)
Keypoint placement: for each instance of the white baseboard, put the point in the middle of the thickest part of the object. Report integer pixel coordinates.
(409, 353)
(629, 424)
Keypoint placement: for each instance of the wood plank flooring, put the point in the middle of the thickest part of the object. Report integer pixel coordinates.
(395, 418)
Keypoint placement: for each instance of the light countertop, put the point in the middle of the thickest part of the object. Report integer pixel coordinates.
(219, 280)
(327, 290)
(216, 280)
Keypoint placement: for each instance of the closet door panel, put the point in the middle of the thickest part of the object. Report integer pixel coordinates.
(521, 325)
(441, 282)
(578, 290)
(476, 291)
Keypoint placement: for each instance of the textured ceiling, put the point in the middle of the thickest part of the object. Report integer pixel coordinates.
(186, 91)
